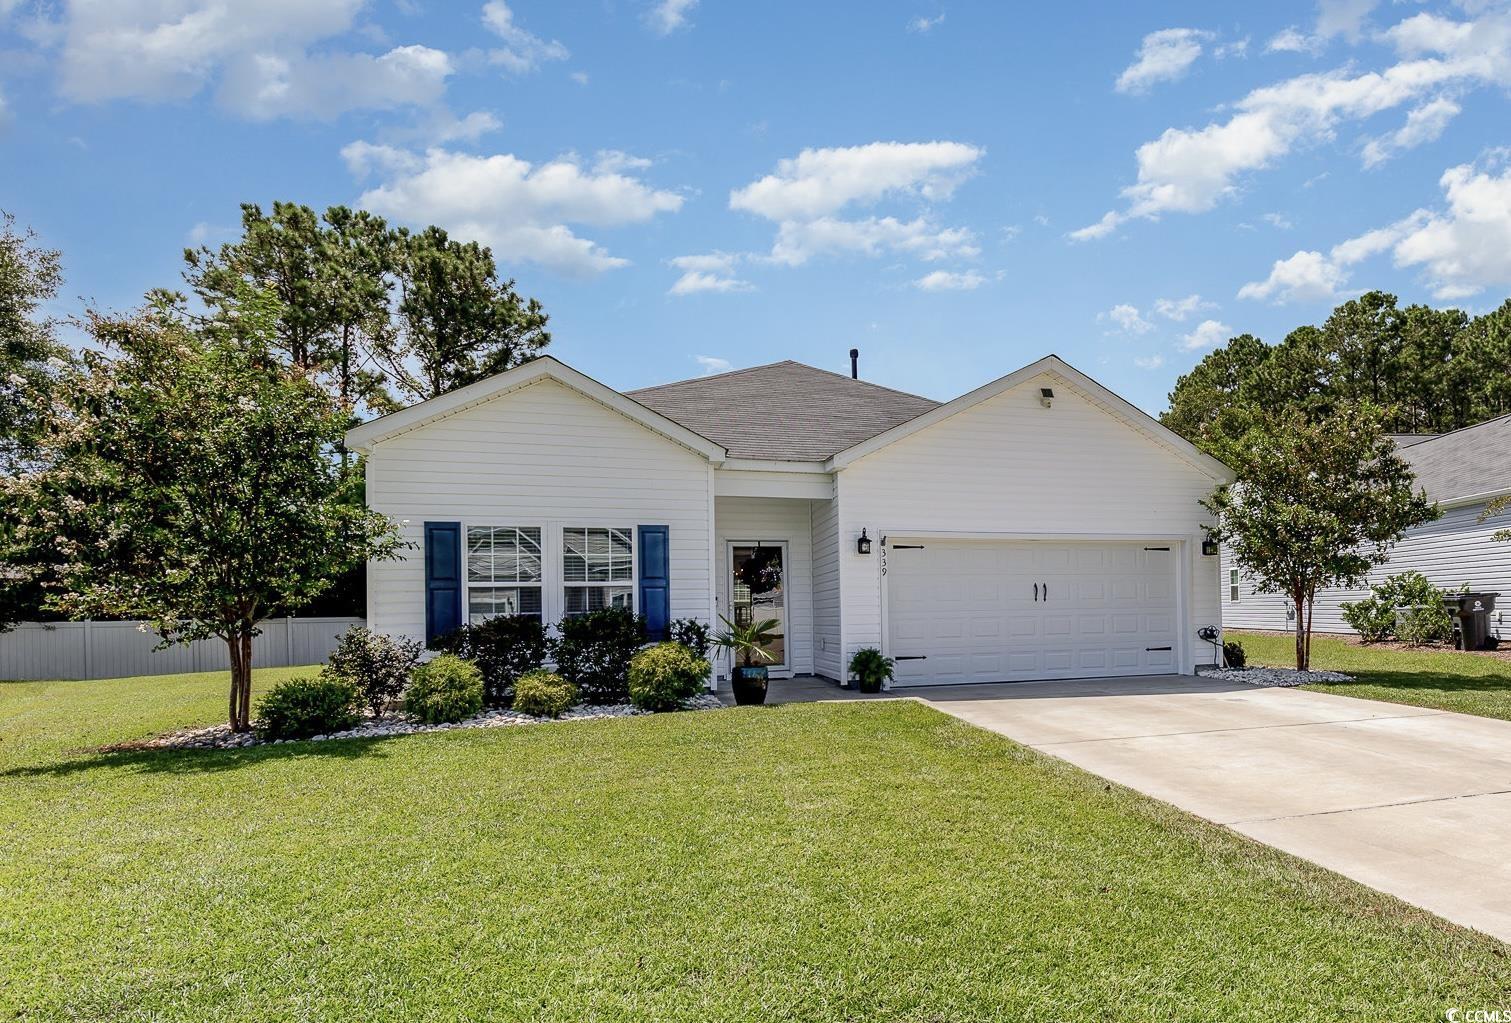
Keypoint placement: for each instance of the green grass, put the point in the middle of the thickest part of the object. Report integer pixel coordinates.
(861, 861)
(1445, 680)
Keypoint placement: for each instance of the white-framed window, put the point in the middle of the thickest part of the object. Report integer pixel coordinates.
(504, 572)
(1233, 585)
(597, 568)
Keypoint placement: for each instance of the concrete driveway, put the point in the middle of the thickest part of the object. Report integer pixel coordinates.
(1412, 802)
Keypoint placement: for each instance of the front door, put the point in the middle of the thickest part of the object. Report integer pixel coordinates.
(757, 591)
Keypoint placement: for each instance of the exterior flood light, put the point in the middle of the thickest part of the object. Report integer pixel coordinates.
(1046, 396)
(863, 545)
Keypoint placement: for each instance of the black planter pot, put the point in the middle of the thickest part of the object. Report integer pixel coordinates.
(868, 685)
(749, 685)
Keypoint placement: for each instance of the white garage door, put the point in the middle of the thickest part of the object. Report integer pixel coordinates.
(989, 611)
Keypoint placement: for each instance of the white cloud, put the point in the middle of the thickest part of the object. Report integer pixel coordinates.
(799, 241)
(615, 161)
(1424, 124)
(1192, 170)
(365, 159)
(1149, 361)
(711, 271)
(449, 128)
(1334, 18)
(1291, 40)
(668, 16)
(522, 210)
(820, 181)
(1164, 56)
(580, 77)
(522, 51)
(1306, 276)
(267, 86)
(923, 23)
(1279, 221)
(1128, 319)
(258, 54)
(1467, 248)
(945, 280)
(713, 364)
(1208, 334)
(1179, 309)
(1237, 48)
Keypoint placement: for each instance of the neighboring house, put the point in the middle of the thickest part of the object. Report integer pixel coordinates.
(1037, 527)
(1461, 471)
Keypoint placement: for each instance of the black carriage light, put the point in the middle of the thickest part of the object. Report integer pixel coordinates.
(863, 545)
(1209, 548)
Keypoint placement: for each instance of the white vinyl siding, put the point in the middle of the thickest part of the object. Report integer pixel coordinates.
(1008, 467)
(771, 520)
(547, 456)
(826, 598)
(1454, 550)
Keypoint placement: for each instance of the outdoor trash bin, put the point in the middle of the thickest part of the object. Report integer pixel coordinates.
(1473, 612)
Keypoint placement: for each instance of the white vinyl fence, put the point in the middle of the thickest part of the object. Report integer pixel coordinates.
(78, 650)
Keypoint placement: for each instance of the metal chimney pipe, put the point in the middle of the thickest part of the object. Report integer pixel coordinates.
(855, 364)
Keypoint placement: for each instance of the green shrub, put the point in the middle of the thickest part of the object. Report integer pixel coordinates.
(1375, 617)
(376, 664)
(1233, 655)
(593, 652)
(693, 634)
(1425, 625)
(503, 648)
(447, 689)
(870, 669)
(544, 694)
(662, 677)
(303, 707)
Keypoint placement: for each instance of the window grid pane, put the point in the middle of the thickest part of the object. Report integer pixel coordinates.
(503, 554)
(596, 556)
(484, 602)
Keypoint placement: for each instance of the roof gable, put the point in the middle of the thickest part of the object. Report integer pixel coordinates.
(1473, 463)
(783, 411)
(363, 437)
(1108, 401)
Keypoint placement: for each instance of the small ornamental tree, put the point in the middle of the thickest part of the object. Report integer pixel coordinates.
(1318, 502)
(189, 477)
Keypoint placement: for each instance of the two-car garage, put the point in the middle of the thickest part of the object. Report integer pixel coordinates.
(962, 610)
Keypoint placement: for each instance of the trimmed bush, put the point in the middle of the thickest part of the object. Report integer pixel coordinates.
(666, 675)
(503, 649)
(593, 652)
(305, 707)
(544, 694)
(447, 689)
(693, 634)
(1375, 617)
(1233, 655)
(1427, 625)
(376, 664)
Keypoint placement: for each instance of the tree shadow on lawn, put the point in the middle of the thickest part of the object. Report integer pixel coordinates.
(200, 761)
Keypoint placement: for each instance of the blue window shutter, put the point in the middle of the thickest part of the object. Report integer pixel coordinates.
(443, 579)
(655, 581)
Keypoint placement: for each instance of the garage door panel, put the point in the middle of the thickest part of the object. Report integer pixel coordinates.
(978, 612)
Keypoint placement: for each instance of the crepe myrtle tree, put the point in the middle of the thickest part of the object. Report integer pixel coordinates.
(1318, 501)
(189, 477)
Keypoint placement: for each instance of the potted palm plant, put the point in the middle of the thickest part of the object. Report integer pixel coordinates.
(747, 644)
(870, 669)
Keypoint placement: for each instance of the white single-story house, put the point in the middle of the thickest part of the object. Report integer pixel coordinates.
(1462, 471)
(1038, 527)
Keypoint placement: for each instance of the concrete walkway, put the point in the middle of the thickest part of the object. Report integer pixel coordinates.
(1410, 801)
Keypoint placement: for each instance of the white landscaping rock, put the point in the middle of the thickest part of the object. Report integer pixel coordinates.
(221, 736)
(1273, 677)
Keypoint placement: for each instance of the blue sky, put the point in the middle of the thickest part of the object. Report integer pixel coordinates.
(956, 189)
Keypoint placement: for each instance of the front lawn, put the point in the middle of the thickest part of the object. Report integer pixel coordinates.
(1443, 679)
(859, 861)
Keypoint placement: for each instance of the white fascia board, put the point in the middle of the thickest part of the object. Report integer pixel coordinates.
(363, 437)
(1112, 403)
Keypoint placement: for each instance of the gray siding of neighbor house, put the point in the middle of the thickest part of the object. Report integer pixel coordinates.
(1454, 550)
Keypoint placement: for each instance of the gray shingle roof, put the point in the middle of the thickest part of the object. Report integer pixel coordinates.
(784, 411)
(1465, 463)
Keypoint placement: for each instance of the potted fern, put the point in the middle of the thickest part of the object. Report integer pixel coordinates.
(870, 669)
(748, 643)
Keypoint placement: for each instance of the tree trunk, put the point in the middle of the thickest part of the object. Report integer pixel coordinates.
(239, 645)
(1298, 599)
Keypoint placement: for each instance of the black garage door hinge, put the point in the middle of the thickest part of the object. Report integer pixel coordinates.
(1156, 548)
(907, 546)
(915, 657)
(1148, 648)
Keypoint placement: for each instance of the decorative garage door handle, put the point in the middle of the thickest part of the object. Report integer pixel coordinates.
(1036, 593)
